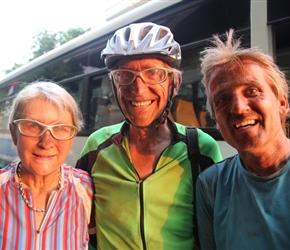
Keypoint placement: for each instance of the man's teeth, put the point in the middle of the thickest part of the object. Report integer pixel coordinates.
(245, 123)
(141, 104)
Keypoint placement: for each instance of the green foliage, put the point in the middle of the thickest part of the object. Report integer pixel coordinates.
(70, 34)
(15, 66)
(46, 41)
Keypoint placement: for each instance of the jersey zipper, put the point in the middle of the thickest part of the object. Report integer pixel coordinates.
(142, 230)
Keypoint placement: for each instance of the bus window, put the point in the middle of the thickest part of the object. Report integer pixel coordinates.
(189, 106)
(74, 88)
(7, 93)
(7, 149)
(282, 52)
(100, 108)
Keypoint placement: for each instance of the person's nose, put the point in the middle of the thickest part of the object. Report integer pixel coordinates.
(139, 87)
(239, 104)
(46, 140)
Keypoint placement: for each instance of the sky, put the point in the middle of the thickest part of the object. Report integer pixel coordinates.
(21, 20)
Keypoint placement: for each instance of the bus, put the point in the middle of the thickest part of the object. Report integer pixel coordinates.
(77, 66)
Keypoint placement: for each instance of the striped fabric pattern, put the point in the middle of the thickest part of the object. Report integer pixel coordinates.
(65, 225)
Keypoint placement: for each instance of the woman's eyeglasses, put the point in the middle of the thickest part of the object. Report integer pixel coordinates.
(33, 128)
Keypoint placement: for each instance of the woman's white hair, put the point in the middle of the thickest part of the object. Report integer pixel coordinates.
(51, 92)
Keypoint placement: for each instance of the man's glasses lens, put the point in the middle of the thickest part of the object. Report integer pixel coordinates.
(34, 129)
(150, 76)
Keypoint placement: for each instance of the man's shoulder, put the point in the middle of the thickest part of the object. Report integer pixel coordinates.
(105, 132)
(99, 137)
(180, 128)
(222, 169)
(201, 134)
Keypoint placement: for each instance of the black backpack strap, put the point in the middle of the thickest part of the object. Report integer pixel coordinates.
(193, 150)
(193, 155)
(199, 163)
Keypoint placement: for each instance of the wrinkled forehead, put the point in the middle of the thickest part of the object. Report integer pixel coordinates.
(147, 61)
(232, 70)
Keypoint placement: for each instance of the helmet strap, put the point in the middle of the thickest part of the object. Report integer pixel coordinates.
(164, 115)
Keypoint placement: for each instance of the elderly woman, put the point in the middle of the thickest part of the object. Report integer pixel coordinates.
(44, 203)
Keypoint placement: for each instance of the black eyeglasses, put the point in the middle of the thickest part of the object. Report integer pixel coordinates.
(151, 75)
(33, 128)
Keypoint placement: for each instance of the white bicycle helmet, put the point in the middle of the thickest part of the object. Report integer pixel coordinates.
(142, 39)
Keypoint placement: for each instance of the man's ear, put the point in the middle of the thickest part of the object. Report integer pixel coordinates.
(13, 131)
(284, 106)
(176, 84)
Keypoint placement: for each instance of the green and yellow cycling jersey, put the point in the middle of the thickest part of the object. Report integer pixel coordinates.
(152, 213)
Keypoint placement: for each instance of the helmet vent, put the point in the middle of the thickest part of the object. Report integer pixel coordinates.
(162, 33)
(114, 39)
(127, 34)
(142, 39)
(144, 32)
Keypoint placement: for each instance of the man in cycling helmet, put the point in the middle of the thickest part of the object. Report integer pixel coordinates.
(142, 174)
